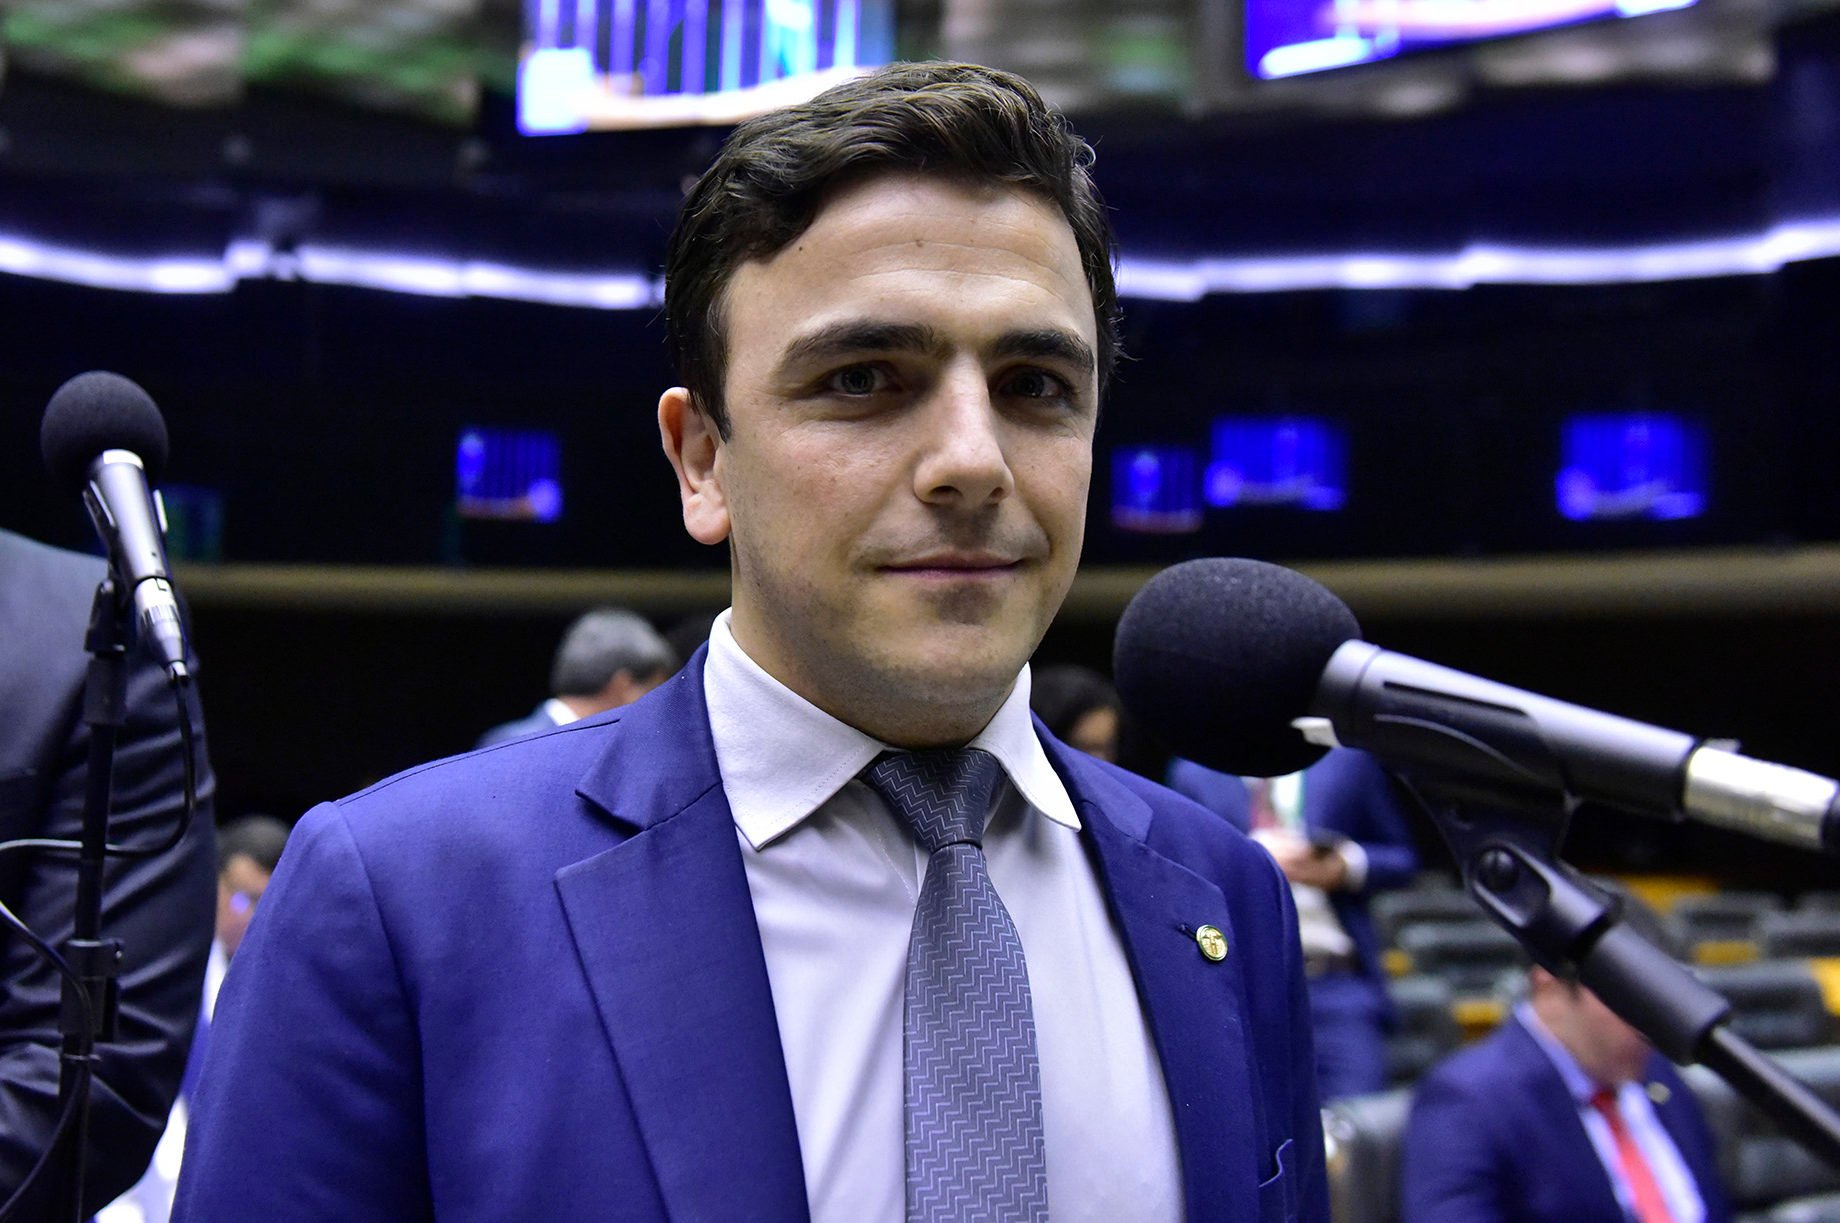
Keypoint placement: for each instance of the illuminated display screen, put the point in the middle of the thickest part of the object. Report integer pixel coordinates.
(1291, 37)
(509, 474)
(1293, 461)
(591, 64)
(1636, 466)
(1156, 490)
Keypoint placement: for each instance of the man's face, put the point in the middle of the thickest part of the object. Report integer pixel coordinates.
(912, 395)
(239, 886)
(1607, 1048)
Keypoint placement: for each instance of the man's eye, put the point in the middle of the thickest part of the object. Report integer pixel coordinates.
(1037, 384)
(857, 380)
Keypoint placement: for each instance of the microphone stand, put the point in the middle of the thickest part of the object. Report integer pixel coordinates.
(1571, 927)
(91, 1002)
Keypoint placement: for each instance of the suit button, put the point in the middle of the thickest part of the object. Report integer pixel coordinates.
(1212, 942)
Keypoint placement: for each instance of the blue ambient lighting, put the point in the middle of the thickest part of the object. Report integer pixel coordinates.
(509, 474)
(1631, 466)
(1157, 279)
(1291, 461)
(1155, 490)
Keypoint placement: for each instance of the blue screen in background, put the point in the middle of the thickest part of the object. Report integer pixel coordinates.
(1644, 465)
(1291, 37)
(509, 474)
(1156, 490)
(598, 64)
(1294, 461)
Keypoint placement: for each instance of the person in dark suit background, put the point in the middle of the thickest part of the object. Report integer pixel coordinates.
(609, 657)
(660, 963)
(1565, 1114)
(248, 849)
(1079, 707)
(1337, 831)
(159, 907)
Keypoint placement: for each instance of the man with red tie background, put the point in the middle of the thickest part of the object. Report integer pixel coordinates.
(1565, 1114)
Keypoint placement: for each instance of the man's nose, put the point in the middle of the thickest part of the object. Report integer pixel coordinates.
(963, 462)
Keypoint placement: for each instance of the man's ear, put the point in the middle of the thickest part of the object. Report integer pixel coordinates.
(694, 447)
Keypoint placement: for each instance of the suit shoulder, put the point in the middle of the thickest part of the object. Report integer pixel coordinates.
(1491, 1070)
(1201, 839)
(46, 583)
(486, 792)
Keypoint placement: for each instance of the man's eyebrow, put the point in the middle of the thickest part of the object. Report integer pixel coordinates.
(1048, 343)
(842, 339)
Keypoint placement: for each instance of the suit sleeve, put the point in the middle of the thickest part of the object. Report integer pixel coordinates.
(309, 1104)
(1448, 1169)
(1381, 829)
(160, 908)
(1310, 1166)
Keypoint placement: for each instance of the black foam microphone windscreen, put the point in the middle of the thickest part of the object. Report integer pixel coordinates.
(1217, 656)
(95, 412)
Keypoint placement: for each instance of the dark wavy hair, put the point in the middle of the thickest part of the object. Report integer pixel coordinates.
(775, 172)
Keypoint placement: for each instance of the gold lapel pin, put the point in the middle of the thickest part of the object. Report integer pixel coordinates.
(1212, 942)
(1659, 1093)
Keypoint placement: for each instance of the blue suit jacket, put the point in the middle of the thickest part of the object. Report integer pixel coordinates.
(527, 983)
(1495, 1138)
(534, 722)
(1346, 794)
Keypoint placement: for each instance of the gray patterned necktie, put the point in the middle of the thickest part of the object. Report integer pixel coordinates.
(975, 1145)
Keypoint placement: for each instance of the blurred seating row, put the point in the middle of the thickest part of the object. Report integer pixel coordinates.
(1456, 972)
(1769, 1178)
(1716, 928)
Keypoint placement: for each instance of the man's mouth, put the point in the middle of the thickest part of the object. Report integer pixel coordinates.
(956, 565)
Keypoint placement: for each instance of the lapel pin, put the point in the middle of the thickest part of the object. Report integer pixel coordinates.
(1212, 942)
(1659, 1093)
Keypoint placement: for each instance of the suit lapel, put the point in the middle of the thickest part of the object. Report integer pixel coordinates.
(664, 929)
(1548, 1096)
(1194, 1007)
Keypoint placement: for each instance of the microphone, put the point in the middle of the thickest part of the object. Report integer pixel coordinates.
(1254, 669)
(103, 436)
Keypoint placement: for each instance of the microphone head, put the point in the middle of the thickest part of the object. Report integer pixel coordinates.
(1217, 657)
(95, 412)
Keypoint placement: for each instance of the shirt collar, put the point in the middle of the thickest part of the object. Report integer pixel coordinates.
(782, 757)
(1581, 1085)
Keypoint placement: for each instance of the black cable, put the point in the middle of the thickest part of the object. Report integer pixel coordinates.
(189, 755)
(68, 1116)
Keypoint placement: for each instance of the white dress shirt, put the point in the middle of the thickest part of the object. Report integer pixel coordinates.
(1673, 1176)
(835, 876)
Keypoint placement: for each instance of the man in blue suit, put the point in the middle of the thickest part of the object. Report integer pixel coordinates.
(1565, 1114)
(825, 927)
(1337, 832)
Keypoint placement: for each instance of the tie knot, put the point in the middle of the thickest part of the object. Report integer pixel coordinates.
(942, 794)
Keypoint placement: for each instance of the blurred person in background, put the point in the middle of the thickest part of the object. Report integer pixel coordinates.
(159, 907)
(608, 658)
(1338, 833)
(1565, 1114)
(248, 850)
(1079, 707)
